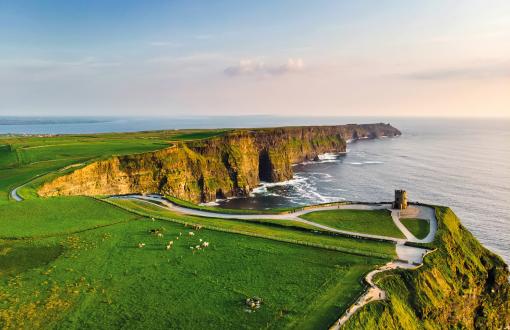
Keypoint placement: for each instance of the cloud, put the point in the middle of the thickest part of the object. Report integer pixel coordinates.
(253, 67)
(501, 70)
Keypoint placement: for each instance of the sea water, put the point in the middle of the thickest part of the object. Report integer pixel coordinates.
(464, 164)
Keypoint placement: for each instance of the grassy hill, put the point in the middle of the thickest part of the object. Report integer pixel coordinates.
(461, 285)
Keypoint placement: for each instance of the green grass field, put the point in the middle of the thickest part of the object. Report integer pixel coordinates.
(74, 262)
(376, 222)
(277, 229)
(82, 269)
(418, 227)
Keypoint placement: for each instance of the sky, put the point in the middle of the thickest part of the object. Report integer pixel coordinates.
(288, 58)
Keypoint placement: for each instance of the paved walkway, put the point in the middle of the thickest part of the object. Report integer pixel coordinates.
(408, 256)
(411, 256)
(15, 196)
(294, 216)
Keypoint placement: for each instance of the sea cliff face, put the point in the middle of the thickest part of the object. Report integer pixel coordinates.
(219, 167)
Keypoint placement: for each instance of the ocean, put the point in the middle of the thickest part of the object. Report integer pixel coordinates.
(461, 163)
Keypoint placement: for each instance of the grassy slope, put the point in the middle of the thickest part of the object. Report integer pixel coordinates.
(98, 276)
(54, 216)
(418, 227)
(281, 230)
(376, 222)
(460, 285)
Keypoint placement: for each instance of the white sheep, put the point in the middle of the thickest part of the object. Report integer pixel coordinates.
(160, 234)
(200, 240)
(141, 245)
(191, 233)
(205, 244)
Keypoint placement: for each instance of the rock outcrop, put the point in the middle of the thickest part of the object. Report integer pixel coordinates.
(219, 167)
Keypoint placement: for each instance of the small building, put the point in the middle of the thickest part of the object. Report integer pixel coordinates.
(400, 202)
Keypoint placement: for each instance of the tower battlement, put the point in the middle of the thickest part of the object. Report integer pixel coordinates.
(400, 199)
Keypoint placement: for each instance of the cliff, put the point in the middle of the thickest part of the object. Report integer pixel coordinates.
(219, 167)
(461, 285)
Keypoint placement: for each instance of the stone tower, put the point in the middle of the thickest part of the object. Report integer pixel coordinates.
(400, 200)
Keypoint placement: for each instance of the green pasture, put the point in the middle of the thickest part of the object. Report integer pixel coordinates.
(290, 231)
(375, 222)
(75, 263)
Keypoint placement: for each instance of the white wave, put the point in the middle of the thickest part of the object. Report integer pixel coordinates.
(338, 189)
(367, 162)
(320, 175)
(328, 156)
(215, 203)
(262, 188)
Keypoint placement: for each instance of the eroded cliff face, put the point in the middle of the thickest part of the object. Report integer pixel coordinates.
(219, 167)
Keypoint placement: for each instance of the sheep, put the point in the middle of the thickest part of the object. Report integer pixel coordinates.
(200, 240)
(170, 242)
(180, 233)
(160, 235)
(141, 245)
(205, 244)
(169, 246)
(191, 233)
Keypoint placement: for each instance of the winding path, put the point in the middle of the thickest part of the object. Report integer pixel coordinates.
(408, 256)
(15, 195)
(295, 216)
